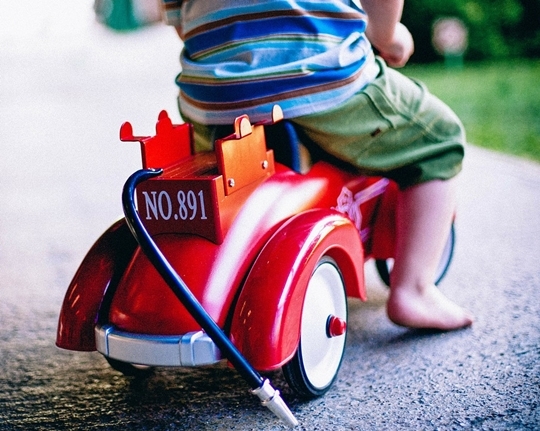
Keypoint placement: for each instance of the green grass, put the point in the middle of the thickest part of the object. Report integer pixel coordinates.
(498, 103)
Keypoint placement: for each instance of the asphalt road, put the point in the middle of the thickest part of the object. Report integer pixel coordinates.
(66, 86)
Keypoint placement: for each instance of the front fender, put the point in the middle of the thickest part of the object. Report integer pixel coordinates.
(266, 322)
(102, 265)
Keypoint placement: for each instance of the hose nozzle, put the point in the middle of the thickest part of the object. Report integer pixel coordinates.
(271, 398)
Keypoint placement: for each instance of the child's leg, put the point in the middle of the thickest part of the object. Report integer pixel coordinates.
(424, 216)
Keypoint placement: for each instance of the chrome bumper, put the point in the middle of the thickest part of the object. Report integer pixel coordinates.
(188, 350)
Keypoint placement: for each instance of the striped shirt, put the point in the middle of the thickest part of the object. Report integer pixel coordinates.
(244, 56)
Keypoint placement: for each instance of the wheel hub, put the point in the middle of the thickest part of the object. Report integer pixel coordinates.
(335, 326)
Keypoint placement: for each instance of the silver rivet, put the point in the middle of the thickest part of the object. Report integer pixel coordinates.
(231, 182)
(265, 164)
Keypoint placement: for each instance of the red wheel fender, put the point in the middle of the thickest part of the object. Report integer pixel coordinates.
(266, 322)
(106, 260)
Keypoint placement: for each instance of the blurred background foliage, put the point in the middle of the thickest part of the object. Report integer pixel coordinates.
(498, 29)
(495, 86)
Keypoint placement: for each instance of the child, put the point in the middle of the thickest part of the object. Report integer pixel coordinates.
(315, 59)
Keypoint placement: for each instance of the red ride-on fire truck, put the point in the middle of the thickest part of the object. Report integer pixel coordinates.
(233, 254)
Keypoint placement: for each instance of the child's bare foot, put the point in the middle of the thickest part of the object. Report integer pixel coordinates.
(426, 309)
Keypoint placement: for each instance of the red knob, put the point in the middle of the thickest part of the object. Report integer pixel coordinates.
(335, 326)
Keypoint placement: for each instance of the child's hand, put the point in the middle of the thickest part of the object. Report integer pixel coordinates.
(397, 50)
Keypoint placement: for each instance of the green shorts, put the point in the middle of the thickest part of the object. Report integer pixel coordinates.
(393, 128)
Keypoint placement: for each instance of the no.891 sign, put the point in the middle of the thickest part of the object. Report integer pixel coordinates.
(186, 205)
(180, 206)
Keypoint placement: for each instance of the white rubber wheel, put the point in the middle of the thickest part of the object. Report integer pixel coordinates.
(315, 365)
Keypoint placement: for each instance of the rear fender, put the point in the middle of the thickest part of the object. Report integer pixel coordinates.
(266, 321)
(102, 266)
